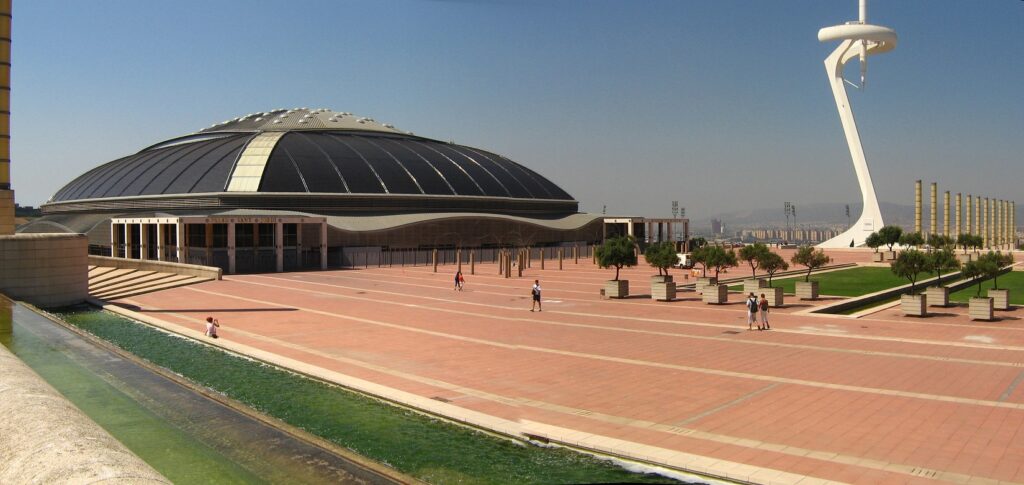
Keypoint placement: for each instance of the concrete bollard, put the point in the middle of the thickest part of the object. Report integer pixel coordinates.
(560, 255)
(434, 258)
(472, 262)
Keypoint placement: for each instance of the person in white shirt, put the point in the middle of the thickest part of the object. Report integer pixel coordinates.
(536, 296)
(211, 327)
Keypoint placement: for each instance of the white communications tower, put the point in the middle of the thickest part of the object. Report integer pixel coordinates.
(859, 40)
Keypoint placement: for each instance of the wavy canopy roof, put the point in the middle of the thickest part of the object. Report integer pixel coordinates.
(310, 151)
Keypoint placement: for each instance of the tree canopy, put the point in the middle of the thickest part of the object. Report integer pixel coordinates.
(718, 258)
(874, 241)
(662, 256)
(980, 270)
(913, 239)
(807, 256)
(772, 263)
(752, 254)
(909, 264)
(942, 260)
(890, 235)
(616, 252)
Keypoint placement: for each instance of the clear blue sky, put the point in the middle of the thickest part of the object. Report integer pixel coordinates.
(722, 105)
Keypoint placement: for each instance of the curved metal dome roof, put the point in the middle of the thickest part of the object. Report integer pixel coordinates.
(309, 151)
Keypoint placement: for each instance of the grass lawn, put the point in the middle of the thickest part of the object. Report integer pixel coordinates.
(1013, 280)
(846, 282)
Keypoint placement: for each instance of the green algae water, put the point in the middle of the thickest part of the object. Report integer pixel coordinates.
(185, 436)
(428, 449)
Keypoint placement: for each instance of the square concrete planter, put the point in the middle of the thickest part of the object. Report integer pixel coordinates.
(965, 258)
(775, 296)
(661, 278)
(889, 255)
(663, 291)
(616, 288)
(1000, 299)
(877, 257)
(807, 290)
(705, 281)
(914, 305)
(937, 296)
(716, 294)
(754, 285)
(980, 308)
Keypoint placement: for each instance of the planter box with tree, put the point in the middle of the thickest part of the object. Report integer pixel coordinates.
(663, 256)
(617, 252)
(753, 254)
(910, 264)
(874, 241)
(807, 256)
(716, 294)
(772, 263)
(939, 261)
(890, 235)
(980, 308)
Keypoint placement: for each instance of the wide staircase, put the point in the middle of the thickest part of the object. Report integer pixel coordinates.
(114, 278)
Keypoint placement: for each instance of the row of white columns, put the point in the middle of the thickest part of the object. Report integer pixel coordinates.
(182, 247)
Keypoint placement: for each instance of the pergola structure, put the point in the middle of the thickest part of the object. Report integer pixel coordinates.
(647, 230)
(241, 244)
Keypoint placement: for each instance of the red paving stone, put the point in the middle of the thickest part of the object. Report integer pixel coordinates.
(882, 398)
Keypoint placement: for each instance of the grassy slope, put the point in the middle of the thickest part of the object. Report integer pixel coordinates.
(1013, 280)
(845, 282)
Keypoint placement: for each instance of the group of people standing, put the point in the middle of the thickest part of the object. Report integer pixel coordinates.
(755, 306)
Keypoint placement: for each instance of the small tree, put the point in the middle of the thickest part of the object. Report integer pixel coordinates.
(890, 235)
(942, 260)
(964, 241)
(752, 255)
(719, 258)
(697, 242)
(662, 256)
(913, 239)
(772, 263)
(939, 241)
(999, 261)
(909, 264)
(977, 242)
(700, 256)
(980, 270)
(874, 241)
(617, 252)
(807, 256)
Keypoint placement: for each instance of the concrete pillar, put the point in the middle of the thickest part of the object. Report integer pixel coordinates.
(561, 254)
(209, 242)
(997, 225)
(917, 206)
(959, 216)
(143, 241)
(472, 262)
(576, 254)
(933, 227)
(433, 259)
(161, 235)
(113, 239)
(945, 213)
(968, 228)
(458, 259)
(977, 216)
(127, 241)
(6, 193)
(542, 258)
(986, 218)
(232, 255)
(323, 245)
(1013, 223)
(179, 242)
(279, 243)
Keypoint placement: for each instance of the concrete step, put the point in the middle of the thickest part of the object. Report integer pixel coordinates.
(133, 285)
(109, 275)
(141, 280)
(191, 280)
(118, 279)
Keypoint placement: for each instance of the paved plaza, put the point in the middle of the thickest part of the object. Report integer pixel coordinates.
(883, 398)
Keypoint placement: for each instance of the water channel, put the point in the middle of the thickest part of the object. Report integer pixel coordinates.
(184, 435)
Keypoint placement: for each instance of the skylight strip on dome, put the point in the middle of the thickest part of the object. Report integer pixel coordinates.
(248, 171)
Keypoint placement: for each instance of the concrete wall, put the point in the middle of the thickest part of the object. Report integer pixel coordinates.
(46, 270)
(159, 266)
(46, 439)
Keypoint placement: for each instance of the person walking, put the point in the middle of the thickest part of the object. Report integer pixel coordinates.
(212, 324)
(462, 281)
(458, 277)
(751, 311)
(763, 306)
(535, 292)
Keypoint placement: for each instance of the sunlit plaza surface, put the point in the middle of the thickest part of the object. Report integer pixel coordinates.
(881, 398)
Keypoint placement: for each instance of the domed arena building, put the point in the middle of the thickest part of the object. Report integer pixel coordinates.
(289, 189)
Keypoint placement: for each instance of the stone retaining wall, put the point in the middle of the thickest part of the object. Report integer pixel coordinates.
(46, 439)
(158, 266)
(47, 270)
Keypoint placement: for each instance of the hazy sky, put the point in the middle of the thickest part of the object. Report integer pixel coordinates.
(722, 105)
